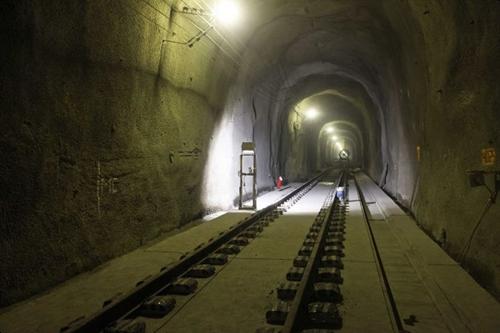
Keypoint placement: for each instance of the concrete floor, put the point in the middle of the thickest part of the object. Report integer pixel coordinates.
(425, 282)
(364, 308)
(241, 293)
(85, 294)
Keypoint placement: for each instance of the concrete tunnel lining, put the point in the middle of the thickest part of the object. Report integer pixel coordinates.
(275, 114)
(347, 131)
(302, 134)
(365, 129)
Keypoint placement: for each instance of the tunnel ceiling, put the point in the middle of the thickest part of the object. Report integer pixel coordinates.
(344, 131)
(339, 113)
(295, 50)
(355, 39)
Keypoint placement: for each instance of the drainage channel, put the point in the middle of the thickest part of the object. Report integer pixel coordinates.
(156, 297)
(307, 300)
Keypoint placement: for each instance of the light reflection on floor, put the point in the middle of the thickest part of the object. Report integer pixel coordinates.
(311, 203)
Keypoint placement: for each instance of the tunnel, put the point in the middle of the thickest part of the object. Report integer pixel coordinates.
(140, 137)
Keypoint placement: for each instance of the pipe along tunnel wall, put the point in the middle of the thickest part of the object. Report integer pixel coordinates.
(111, 135)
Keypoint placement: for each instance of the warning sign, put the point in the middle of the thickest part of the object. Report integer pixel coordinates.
(488, 156)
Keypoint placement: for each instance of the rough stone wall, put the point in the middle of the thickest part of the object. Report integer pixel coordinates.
(103, 134)
(461, 117)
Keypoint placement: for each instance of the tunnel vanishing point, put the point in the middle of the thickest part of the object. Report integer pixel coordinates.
(122, 123)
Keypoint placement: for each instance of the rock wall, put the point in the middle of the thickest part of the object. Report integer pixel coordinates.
(460, 117)
(104, 133)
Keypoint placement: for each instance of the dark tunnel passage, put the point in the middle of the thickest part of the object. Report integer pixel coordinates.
(122, 120)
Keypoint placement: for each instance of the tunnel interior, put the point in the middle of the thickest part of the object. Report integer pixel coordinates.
(123, 120)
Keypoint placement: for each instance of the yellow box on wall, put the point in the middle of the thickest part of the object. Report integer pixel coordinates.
(488, 156)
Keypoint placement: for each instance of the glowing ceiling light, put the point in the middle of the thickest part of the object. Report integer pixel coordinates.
(227, 12)
(311, 113)
(335, 138)
(339, 145)
(329, 130)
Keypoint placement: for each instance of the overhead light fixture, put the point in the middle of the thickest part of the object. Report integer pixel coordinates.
(227, 12)
(335, 138)
(311, 113)
(329, 130)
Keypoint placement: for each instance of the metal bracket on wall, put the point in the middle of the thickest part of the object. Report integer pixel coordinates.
(478, 178)
(202, 33)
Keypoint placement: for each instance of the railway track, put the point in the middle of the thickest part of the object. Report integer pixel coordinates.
(319, 260)
(308, 299)
(155, 297)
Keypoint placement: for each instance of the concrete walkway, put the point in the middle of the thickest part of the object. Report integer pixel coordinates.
(238, 296)
(432, 292)
(85, 293)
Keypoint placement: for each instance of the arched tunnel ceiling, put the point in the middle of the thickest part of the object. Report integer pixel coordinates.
(340, 112)
(317, 85)
(297, 50)
(353, 37)
(304, 134)
(347, 134)
(291, 50)
(334, 107)
(341, 129)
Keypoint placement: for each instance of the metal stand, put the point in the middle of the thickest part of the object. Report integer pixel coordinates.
(248, 151)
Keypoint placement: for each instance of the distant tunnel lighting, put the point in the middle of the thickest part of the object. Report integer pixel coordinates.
(329, 130)
(311, 113)
(227, 12)
(339, 145)
(335, 138)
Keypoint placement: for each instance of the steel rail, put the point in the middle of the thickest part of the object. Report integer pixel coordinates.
(394, 313)
(298, 309)
(120, 307)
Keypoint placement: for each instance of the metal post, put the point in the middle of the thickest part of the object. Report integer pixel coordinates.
(254, 181)
(248, 149)
(241, 182)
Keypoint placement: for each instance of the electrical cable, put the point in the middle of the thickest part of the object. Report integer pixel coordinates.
(240, 45)
(488, 205)
(215, 42)
(156, 9)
